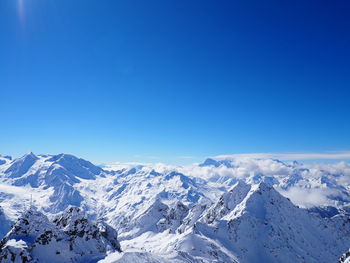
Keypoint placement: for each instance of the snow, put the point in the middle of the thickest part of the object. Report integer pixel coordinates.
(223, 210)
(134, 257)
(71, 237)
(17, 243)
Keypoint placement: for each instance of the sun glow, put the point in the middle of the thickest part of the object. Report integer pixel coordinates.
(20, 10)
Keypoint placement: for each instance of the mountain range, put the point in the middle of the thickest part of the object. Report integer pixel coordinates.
(61, 208)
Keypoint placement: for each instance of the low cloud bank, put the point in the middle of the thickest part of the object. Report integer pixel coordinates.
(340, 155)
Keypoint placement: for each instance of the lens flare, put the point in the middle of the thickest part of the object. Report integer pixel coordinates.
(20, 10)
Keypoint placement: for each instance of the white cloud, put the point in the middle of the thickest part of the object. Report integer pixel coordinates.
(309, 197)
(339, 155)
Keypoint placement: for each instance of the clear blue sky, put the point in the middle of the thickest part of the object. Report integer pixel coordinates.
(118, 80)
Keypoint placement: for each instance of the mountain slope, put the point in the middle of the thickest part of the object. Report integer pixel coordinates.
(69, 238)
(50, 170)
(55, 175)
(267, 227)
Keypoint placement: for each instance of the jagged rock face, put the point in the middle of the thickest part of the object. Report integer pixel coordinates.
(227, 202)
(158, 217)
(146, 221)
(141, 199)
(193, 215)
(31, 225)
(15, 252)
(263, 226)
(345, 258)
(99, 238)
(39, 237)
(174, 218)
(69, 238)
(110, 234)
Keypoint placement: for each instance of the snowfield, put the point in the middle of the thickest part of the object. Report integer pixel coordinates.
(60, 208)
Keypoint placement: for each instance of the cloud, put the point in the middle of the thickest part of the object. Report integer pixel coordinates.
(340, 155)
(242, 168)
(309, 197)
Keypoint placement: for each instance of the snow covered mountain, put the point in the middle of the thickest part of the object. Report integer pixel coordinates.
(5, 223)
(228, 210)
(260, 225)
(55, 175)
(71, 237)
(345, 258)
(251, 224)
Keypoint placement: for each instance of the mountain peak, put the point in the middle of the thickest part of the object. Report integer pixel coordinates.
(265, 205)
(216, 163)
(264, 187)
(69, 239)
(21, 165)
(265, 226)
(210, 162)
(76, 166)
(69, 216)
(227, 202)
(57, 157)
(31, 154)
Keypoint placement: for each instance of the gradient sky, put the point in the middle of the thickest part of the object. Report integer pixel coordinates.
(173, 81)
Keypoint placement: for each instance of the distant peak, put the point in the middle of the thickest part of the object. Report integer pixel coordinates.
(8, 157)
(61, 156)
(210, 162)
(296, 163)
(67, 155)
(29, 155)
(217, 163)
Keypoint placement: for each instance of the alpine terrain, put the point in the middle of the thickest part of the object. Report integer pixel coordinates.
(61, 208)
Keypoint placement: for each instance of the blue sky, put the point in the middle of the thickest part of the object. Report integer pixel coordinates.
(173, 81)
